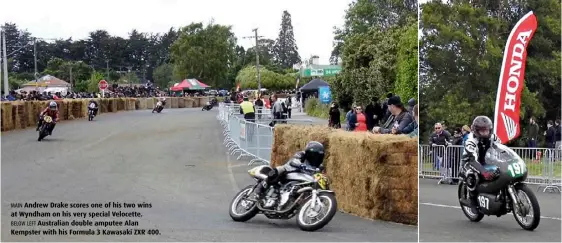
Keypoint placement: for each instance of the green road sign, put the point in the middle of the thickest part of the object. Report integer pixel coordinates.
(320, 71)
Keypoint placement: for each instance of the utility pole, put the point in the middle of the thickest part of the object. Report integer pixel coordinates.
(1, 57)
(5, 62)
(107, 69)
(71, 82)
(257, 50)
(35, 62)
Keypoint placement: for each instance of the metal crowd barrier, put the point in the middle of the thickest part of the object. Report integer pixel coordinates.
(443, 163)
(253, 140)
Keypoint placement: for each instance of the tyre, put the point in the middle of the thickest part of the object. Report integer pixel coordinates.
(329, 200)
(523, 190)
(251, 210)
(472, 216)
(42, 133)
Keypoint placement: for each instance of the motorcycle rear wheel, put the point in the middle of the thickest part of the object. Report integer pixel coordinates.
(332, 204)
(472, 216)
(249, 214)
(534, 207)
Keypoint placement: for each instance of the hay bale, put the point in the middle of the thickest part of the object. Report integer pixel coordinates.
(168, 104)
(63, 109)
(83, 103)
(203, 101)
(174, 102)
(189, 103)
(104, 105)
(288, 139)
(19, 115)
(30, 114)
(120, 103)
(374, 176)
(112, 105)
(138, 104)
(132, 104)
(181, 102)
(7, 120)
(150, 102)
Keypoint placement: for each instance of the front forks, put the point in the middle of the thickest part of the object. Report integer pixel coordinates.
(516, 203)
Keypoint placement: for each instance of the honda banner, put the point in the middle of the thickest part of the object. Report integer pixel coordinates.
(508, 99)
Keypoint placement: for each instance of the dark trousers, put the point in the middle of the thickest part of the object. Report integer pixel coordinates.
(250, 116)
(289, 113)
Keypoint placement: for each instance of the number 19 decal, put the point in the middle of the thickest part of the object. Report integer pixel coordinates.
(484, 202)
(517, 169)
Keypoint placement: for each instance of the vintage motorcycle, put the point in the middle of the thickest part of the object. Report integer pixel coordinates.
(506, 192)
(45, 127)
(159, 107)
(305, 194)
(91, 108)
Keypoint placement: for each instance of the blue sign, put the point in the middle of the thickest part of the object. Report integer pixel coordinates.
(324, 94)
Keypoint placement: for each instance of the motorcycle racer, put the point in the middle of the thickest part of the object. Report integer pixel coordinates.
(310, 159)
(477, 144)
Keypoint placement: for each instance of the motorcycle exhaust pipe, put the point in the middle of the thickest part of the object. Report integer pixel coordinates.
(284, 211)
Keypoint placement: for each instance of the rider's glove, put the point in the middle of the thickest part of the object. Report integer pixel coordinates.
(487, 175)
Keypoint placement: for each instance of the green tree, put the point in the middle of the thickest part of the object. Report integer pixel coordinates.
(204, 52)
(164, 75)
(285, 49)
(94, 81)
(461, 53)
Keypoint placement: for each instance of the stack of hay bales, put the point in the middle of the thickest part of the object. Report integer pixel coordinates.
(373, 176)
(22, 114)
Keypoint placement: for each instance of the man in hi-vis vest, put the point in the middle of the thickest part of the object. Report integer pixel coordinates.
(248, 109)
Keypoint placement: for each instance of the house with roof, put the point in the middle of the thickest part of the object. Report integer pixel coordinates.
(46, 83)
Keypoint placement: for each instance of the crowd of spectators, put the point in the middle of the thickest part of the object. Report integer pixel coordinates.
(388, 117)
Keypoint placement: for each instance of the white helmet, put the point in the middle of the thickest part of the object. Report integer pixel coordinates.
(53, 106)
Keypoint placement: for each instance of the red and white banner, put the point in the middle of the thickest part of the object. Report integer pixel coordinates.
(508, 100)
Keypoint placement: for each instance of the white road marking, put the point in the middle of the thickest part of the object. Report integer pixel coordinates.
(238, 165)
(458, 207)
(230, 174)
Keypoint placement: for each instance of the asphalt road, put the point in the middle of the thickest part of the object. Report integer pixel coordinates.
(441, 219)
(175, 160)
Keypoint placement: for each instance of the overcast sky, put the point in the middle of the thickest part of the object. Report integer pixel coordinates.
(313, 20)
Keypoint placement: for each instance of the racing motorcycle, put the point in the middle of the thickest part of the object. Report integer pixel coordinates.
(91, 115)
(159, 107)
(45, 127)
(305, 194)
(207, 107)
(506, 192)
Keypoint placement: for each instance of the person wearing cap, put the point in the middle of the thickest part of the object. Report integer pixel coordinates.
(411, 103)
(248, 109)
(402, 118)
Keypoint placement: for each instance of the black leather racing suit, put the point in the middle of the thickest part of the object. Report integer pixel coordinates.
(473, 157)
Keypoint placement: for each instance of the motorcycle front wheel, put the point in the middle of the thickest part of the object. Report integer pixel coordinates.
(310, 219)
(530, 205)
(249, 208)
(472, 216)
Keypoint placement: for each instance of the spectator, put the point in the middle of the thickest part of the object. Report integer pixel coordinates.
(289, 104)
(361, 120)
(411, 104)
(334, 116)
(465, 132)
(351, 119)
(386, 113)
(550, 135)
(371, 112)
(438, 140)
(402, 118)
(532, 133)
(259, 106)
(558, 133)
(414, 125)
